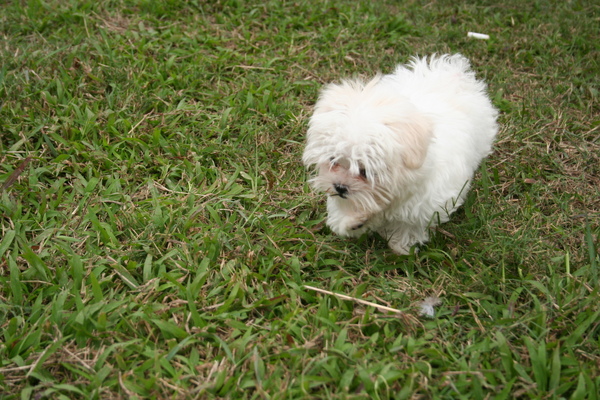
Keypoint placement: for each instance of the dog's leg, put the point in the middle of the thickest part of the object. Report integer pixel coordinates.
(402, 236)
(344, 219)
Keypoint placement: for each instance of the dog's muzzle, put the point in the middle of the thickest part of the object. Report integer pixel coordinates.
(342, 190)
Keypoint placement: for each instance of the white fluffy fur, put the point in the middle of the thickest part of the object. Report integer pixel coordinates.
(404, 146)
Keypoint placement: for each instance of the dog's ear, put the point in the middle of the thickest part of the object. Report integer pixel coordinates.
(414, 135)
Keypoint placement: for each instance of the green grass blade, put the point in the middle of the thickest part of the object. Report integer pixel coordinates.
(7, 241)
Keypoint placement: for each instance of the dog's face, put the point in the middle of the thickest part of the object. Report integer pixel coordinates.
(364, 142)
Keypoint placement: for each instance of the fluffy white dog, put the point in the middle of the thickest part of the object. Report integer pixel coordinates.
(396, 155)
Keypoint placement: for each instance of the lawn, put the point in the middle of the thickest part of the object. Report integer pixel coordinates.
(157, 234)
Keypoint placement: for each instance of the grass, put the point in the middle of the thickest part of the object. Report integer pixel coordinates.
(157, 231)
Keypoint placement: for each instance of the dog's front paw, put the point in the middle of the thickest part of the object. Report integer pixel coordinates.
(399, 248)
(357, 227)
(348, 225)
(402, 237)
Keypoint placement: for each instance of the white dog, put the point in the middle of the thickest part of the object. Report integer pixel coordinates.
(396, 155)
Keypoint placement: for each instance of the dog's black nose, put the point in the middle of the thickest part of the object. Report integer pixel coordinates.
(342, 190)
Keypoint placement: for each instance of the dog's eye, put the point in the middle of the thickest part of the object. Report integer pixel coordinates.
(363, 172)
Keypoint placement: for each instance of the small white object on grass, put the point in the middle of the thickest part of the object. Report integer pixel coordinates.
(478, 35)
(428, 304)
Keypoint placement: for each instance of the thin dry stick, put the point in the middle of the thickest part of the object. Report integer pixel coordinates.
(344, 297)
(138, 124)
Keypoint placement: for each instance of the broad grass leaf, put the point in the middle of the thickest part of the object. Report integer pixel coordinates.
(6, 241)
